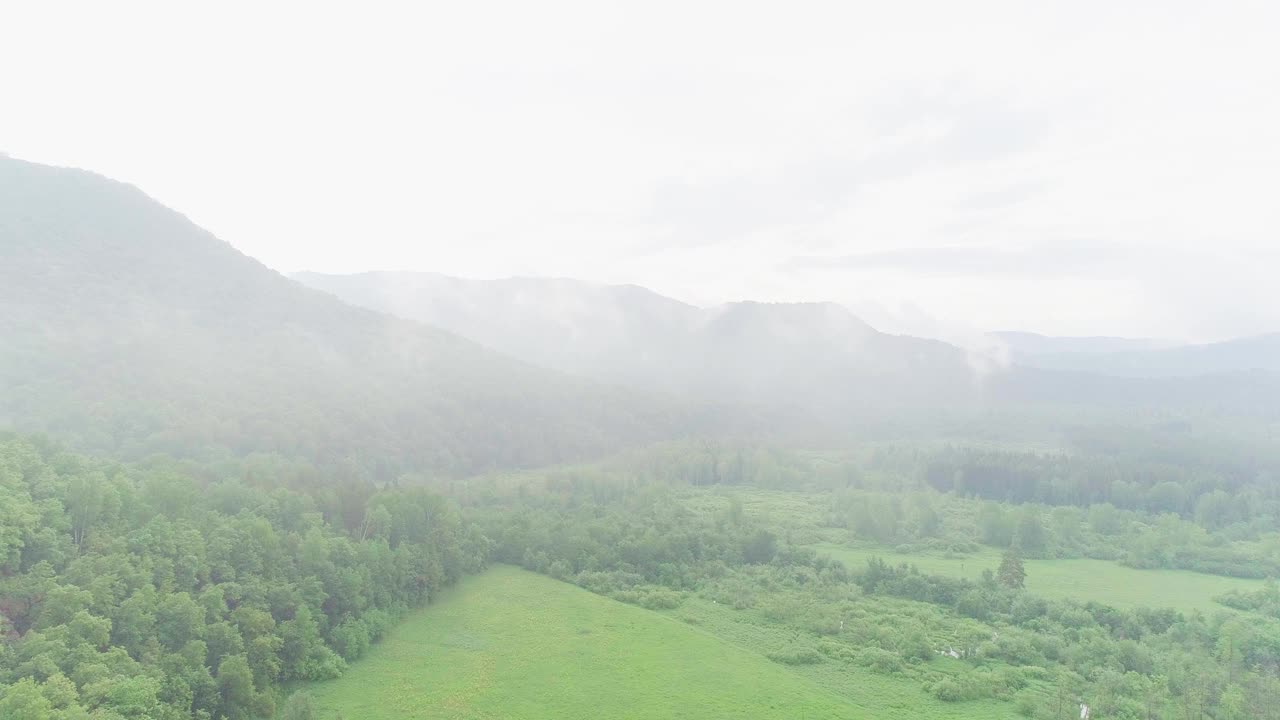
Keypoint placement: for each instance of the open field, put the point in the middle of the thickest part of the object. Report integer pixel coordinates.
(512, 644)
(1079, 579)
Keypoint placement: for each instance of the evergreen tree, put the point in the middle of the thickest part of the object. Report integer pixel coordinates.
(1011, 573)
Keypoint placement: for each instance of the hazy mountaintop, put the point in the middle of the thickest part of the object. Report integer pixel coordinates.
(563, 324)
(1025, 344)
(818, 356)
(630, 334)
(793, 353)
(1260, 352)
(128, 329)
(786, 323)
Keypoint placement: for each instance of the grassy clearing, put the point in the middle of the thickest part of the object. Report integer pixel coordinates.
(512, 644)
(1079, 579)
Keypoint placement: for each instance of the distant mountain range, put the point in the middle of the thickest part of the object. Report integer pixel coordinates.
(816, 354)
(1149, 358)
(127, 330)
(630, 334)
(1024, 346)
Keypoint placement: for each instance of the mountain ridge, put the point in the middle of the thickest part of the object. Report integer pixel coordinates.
(777, 322)
(1245, 354)
(1023, 344)
(818, 356)
(131, 330)
(760, 351)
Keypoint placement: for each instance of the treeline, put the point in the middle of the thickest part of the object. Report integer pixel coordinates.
(1218, 485)
(1195, 478)
(894, 495)
(141, 593)
(924, 520)
(620, 545)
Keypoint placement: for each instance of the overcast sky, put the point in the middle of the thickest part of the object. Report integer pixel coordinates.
(1071, 168)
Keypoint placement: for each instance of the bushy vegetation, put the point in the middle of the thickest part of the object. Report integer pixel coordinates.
(165, 590)
(636, 542)
(888, 495)
(132, 592)
(1265, 600)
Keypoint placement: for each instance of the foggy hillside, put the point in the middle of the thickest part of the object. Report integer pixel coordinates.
(1026, 346)
(607, 331)
(815, 355)
(128, 329)
(812, 353)
(1261, 352)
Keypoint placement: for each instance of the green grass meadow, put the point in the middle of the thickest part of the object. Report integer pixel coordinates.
(514, 645)
(1079, 579)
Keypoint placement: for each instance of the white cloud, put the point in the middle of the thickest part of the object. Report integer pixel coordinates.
(699, 148)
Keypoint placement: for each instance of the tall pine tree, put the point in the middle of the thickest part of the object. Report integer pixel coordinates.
(1011, 573)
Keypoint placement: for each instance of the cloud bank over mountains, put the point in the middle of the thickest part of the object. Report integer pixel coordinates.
(991, 165)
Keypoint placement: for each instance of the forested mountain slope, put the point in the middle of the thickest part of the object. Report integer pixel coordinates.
(128, 330)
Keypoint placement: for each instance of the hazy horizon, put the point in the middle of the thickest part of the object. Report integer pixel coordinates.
(906, 319)
(710, 305)
(937, 169)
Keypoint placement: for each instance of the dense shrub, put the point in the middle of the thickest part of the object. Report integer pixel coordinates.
(797, 656)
